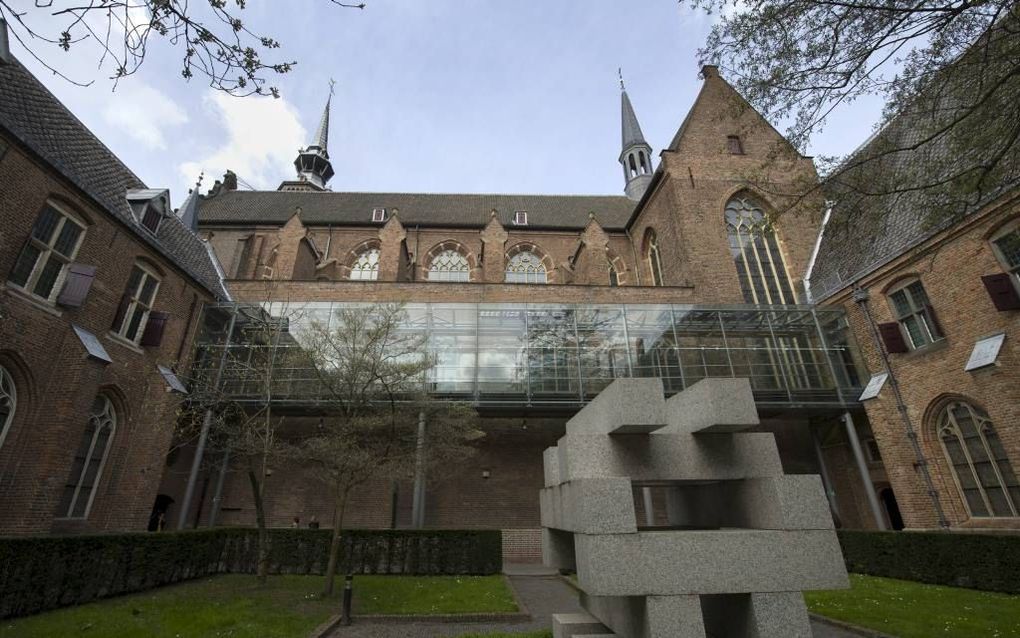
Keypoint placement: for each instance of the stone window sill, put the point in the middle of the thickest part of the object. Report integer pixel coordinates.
(935, 346)
(32, 300)
(121, 341)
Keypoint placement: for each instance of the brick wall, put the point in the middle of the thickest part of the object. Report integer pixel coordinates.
(57, 384)
(950, 267)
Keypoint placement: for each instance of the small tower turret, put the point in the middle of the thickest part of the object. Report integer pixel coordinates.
(312, 163)
(636, 156)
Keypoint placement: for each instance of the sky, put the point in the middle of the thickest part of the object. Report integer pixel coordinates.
(469, 96)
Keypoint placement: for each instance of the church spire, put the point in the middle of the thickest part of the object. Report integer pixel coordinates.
(312, 163)
(636, 155)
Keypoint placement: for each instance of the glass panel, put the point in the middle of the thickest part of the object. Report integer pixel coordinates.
(45, 224)
(919, 297)
(916, 332)
(67, 239)
(133, 280)
(1009, 246)
(48, 277)
(501, 349)
(148, 288)
(135, 323)
(26, 263)
(900, 302)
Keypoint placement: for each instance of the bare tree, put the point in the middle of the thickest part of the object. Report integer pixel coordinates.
(373, 385)
(211, 35)
(948, 71)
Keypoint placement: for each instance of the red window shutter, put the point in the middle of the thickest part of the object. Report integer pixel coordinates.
(76, 285)
(153, 335)
(892, 337)
(1002, 291)
(118, 319)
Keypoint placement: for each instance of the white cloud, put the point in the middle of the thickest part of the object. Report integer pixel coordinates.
(143, 113)
(261, 136)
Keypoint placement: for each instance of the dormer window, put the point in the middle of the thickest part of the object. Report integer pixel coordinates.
(521, 218)
(378, 214)
(151, 219)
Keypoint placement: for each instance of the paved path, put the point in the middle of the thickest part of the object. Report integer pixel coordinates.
(542, 595)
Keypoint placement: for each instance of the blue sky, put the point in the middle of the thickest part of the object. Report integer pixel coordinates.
(431, 96)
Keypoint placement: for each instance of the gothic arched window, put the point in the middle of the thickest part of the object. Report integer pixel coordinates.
(366, 266)
(526, 268)
(449, 265)
(763, 278)
(8, 402)
(980, 465)
(89, 460)
(652, 257)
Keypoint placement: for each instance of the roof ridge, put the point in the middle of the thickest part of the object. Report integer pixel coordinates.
(446, 194)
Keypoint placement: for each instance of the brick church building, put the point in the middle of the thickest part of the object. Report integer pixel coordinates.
(677, 278)
(531, 304)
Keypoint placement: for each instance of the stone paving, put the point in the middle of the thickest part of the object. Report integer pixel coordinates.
(543, 595)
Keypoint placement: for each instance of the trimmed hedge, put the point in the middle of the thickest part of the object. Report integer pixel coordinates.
(40, 573)
(978, 561)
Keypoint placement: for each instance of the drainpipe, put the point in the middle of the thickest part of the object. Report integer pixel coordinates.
(418, 501)
(860, 296)
(862, 469)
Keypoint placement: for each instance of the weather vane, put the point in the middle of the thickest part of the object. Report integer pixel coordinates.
(332, 83)
(619, 71)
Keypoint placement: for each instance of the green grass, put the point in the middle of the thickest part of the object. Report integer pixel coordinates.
(915, 610)
(431, 595)
(533, 634)
(235, 606)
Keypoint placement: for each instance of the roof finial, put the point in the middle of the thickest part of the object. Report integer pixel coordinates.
(619, 72)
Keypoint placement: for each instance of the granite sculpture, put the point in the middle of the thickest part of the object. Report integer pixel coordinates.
(736, 543)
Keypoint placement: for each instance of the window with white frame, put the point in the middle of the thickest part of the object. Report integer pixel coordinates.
(449, 265)
(8, 402)
(1007, 249)
(652, 257)
(755, 251)
(378, 214)
(914, 313)
(526, 268)
(136, 304)
(89, 460)
(521, 218)
(53, 244)
(981, 468)
(366, 266)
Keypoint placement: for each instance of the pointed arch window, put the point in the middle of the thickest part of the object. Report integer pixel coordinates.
(8, 402)
(980, 466)
(89, 460)
(526, 268)
(449, 265)
(366, 266)
(652, 257)
(755, 251)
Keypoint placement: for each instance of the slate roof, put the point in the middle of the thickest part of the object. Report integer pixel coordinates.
(629, 124)
(33, 115)
(425, 209)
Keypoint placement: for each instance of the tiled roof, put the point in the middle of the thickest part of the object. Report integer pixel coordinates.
(866, 231)
(42, 123)
(425, 209)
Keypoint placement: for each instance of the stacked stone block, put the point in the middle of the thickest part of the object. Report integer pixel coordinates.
(743, 539)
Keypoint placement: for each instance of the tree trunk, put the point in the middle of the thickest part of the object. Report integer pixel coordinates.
(262, 572)
(334, 544)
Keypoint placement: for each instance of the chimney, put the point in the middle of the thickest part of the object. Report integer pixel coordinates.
(230, 181)
(5, 45)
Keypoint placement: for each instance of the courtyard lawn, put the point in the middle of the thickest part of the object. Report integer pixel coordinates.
(429, 595)
(236, 606)
(915, 610)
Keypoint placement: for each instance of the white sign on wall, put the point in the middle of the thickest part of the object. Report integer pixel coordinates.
(985, 352)
(874, 386)
(92, 344)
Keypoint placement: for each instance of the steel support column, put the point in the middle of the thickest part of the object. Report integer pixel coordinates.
(862, 469)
